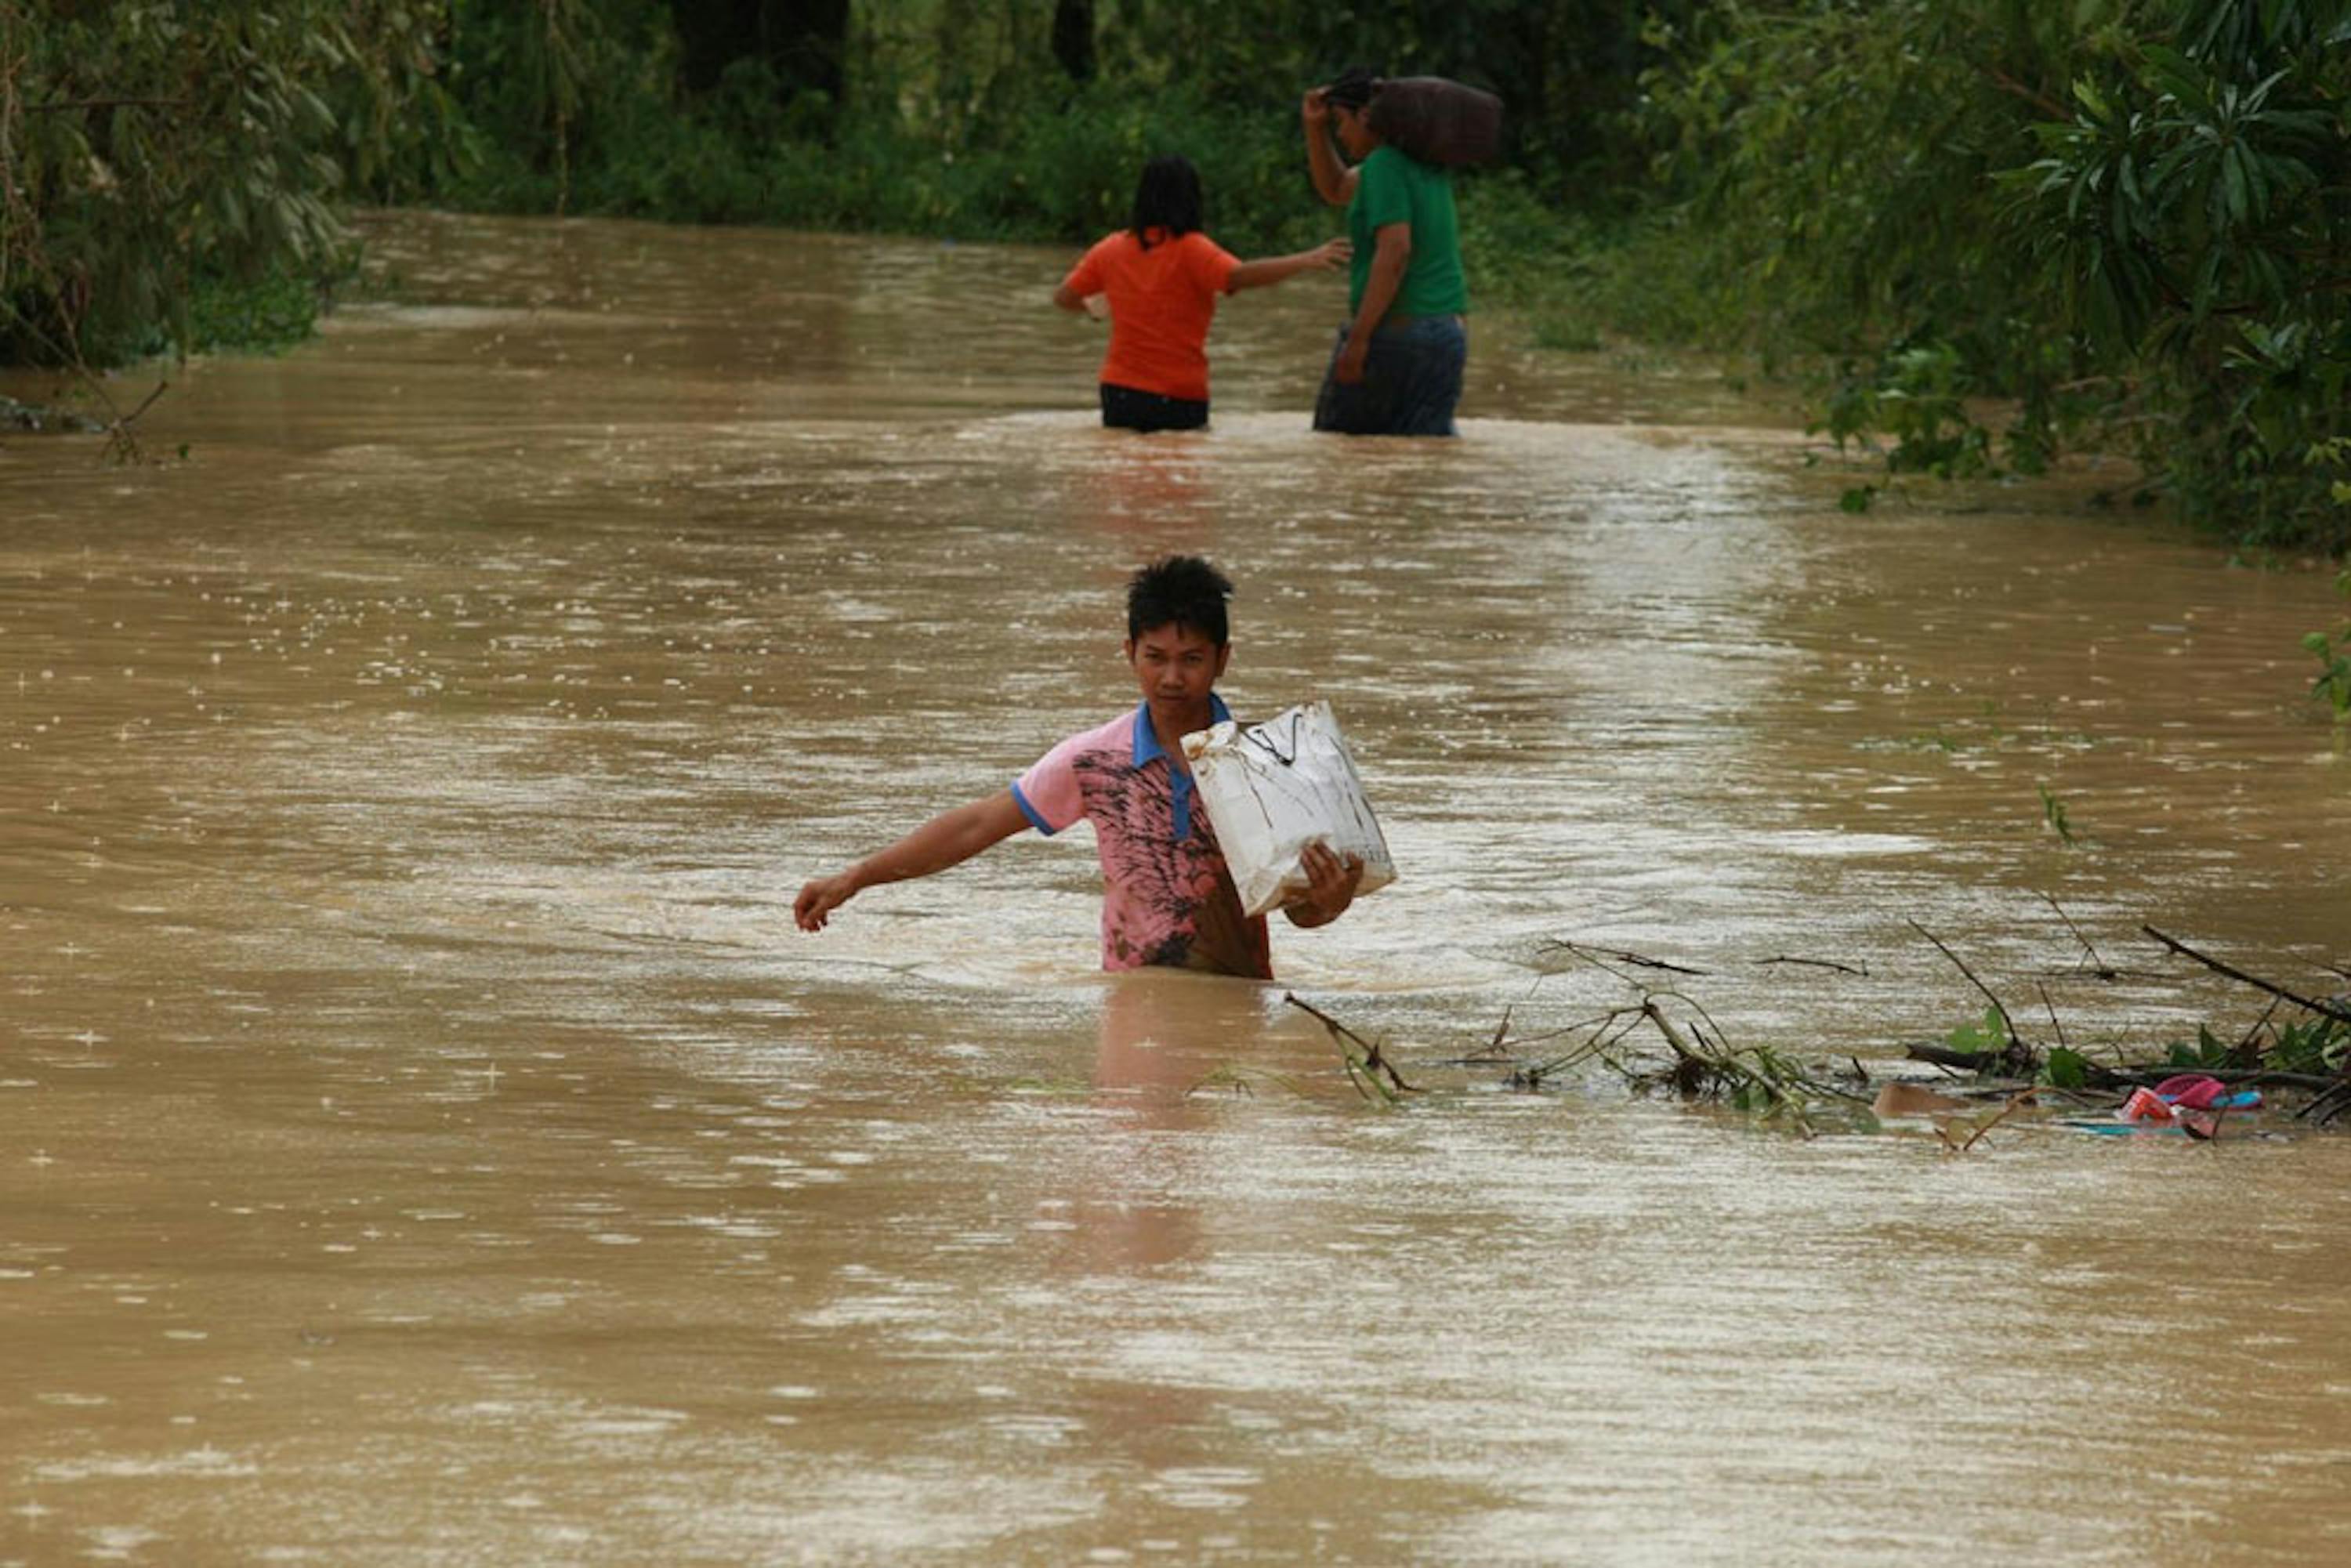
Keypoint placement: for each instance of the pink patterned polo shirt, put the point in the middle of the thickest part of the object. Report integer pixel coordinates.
(1167, 898)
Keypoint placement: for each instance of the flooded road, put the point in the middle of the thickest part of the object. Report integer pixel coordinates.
(423, 1138)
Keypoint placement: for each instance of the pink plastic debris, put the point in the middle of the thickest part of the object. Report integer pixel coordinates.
(2195, 1091)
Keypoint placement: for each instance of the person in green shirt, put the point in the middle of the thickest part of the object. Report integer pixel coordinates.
(1396, 368)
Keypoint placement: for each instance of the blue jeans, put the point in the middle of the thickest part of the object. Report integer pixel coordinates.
(1412, 378)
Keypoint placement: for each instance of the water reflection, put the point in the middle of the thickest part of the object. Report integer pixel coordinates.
(1168, 1046)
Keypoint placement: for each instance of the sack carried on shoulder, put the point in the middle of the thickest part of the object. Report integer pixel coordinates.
(1273, 789)
(1436, 120)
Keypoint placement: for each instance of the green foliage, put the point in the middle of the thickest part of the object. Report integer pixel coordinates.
(956, 121)
(275, 310)
(148, 148)
(2334, 682)
(2317, 1046)
(2065, 1069)
(956, 161)
(1916, 396)
(1523, 248)
(1834, 158)
(2187, 214)
(1761, 1080)
(2332, 651)
(1988, 1033)
(539, 93)
(2123, 218)
(2053, 814)
(2207, 1051)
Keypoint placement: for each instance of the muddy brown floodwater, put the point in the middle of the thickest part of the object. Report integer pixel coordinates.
(424, 1139)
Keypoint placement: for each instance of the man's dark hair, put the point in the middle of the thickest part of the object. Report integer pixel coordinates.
(1181, 590)
(1167, 197)
(1352, 88)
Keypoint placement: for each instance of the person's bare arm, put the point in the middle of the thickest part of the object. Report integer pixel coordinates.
(1380, 287)
(1069, 299)
(1334, 181)
(1331, 883)
(948, 839)
(1270, 270)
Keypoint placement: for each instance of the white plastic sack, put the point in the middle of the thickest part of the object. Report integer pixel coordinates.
(1273, 789)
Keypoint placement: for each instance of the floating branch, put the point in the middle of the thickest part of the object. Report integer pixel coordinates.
(2329, 1104)
(1752, 1078)
(1502, 1033)
(1817, 963)
(2098, 965)
(1951, 1145)
(1962, 1061)
(2052, 1015)
(1222, 1078)
(2324, 1009)
(2021, 1058)
(2245, 1046)
(1636, 959)
(120, 443)
(1243, 1082)
(1662, 1040)
(1656, 1015)
(1620, 1019)
(1498, 1049)
(1370, 1065)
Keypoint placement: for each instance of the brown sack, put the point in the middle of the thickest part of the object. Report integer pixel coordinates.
(1436, 120)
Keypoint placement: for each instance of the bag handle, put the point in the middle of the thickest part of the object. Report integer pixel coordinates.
(1263, 741)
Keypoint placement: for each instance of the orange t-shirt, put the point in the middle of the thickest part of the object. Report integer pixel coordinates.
(1161, 302)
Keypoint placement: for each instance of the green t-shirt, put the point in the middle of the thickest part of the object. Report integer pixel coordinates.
(1392, 188)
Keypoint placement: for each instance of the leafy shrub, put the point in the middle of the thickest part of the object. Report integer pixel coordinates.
(2121, 217)
(150, 149)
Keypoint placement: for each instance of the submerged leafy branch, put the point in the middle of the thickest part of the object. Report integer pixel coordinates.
(1660, 1039)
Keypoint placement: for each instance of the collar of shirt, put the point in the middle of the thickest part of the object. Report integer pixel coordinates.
(1147, 747)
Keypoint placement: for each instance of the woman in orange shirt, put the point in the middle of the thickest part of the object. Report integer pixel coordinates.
(1161, 276)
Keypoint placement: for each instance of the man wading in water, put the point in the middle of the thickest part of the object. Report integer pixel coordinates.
(1167, 898)
(1398, 366)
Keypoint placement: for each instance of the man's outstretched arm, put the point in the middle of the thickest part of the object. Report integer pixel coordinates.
(948, 839)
